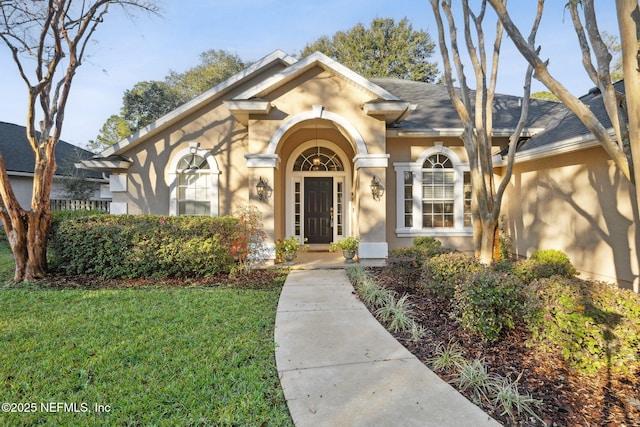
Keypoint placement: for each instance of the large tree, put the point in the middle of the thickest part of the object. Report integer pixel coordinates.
(624, 147)
(215, 66)
(477, 114)
(48, 41)
(385, 49)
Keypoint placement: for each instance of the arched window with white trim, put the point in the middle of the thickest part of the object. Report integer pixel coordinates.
(433, 195)
(194, 195)
(193, 177)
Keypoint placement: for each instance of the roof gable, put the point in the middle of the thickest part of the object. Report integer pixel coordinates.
(316, 59)
(276, 57)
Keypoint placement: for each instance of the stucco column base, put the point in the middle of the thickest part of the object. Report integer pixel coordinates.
(373, 250)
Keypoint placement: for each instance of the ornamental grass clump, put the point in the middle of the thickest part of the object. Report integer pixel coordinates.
(474, 378)
(397, 313)
(506, 396)
(447, 357)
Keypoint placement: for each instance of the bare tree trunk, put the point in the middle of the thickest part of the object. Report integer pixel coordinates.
(487, 244)
(629, 24)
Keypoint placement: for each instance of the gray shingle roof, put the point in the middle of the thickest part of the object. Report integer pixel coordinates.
(18, 156)
(435, 109)
(566, 125)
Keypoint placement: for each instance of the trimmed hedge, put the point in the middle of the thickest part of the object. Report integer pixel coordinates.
(139, 246)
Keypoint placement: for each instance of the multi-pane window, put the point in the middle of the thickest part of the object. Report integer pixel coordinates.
(408, 198)
(434, 195)
(194, 186)
(438, 186)
(468, 222)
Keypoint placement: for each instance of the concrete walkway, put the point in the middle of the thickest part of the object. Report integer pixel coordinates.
(339, 367)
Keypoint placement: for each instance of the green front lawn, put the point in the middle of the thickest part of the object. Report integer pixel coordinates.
(163, 357)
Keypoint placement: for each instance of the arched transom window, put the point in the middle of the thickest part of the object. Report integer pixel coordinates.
(317, 159)
(194, 195)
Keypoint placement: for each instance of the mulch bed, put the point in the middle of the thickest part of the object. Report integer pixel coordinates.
(568, 397)
(259, 279)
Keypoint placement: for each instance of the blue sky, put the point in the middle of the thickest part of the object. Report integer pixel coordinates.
(147, 47)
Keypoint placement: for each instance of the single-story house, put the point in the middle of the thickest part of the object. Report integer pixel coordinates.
(20, 161)
(326, 153)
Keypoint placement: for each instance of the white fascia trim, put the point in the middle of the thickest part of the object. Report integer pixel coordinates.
(207, 96)
(316, 58)
(262, 160)
(434, 132)
(371, 160)
(23, 174)
(373, 250)
(567, 146)
(56, 176)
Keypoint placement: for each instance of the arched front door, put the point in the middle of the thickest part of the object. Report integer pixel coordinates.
(318, 186)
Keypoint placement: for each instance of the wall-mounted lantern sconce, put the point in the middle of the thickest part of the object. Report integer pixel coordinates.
(263, 190)
(377, 190)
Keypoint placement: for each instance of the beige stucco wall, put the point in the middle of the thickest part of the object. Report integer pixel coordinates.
(404, 149)
(218, 132)
(578, 203)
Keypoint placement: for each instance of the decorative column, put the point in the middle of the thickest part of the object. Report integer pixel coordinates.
(372, 204)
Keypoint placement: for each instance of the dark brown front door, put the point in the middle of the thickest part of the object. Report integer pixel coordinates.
(318, 202)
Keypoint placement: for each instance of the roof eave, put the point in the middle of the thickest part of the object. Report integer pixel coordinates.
(243, 108)
(391, 111)
(567, 146)
(104, 165)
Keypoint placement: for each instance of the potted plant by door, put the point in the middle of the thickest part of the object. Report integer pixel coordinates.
(287, 249)
(349, 246)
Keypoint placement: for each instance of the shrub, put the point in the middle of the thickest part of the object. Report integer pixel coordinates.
(543, 264)
(405, 265)
(593, 324)
(127, 246)
(442, 273)
(491, 302)
(429, 246)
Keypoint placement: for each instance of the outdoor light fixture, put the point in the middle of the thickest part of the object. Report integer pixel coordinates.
(377, 190)
(262, 189)
(316, 160)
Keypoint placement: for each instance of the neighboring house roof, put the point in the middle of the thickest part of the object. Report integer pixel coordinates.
(19, 158)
